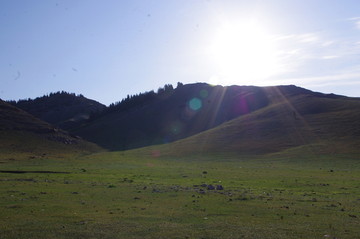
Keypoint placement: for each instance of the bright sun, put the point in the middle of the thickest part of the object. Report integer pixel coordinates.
(243, 54)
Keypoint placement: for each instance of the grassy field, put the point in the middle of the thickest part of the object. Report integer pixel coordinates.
(137, 194)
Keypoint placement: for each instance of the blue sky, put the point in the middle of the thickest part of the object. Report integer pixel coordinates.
(108, 49)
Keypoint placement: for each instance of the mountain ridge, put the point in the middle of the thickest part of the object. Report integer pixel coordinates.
(200, 117)
(194, 108)
(328, 124)
(61, 109)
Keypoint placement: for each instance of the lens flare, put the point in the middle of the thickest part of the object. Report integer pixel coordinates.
(195, 104)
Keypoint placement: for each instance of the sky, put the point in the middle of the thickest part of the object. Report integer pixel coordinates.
(108, 49)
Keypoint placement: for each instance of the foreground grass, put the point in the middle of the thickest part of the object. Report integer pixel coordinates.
(132, 195)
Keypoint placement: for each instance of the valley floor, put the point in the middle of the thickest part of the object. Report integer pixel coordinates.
(134, 195)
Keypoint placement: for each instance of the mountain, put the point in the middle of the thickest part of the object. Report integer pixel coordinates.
(295, 121)
(169, 115)
(24, 134)
(282, 116)
(197, 118)
(61, 109)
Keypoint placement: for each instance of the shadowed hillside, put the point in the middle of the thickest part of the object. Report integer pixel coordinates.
(171, 114)
(61, 109)
(22, 133)
(174, 114)
(204, 118)
(296, 120)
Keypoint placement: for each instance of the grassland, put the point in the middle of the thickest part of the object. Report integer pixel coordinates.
(139, 194)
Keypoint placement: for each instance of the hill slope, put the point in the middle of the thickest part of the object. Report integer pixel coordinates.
(204, 118)
(194, 108)
(61, 109)
(23, 134)
(301, 122)
(171, 115)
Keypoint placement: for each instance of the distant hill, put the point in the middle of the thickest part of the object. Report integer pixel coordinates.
(22, 133)
(174, 114)
(61, 109)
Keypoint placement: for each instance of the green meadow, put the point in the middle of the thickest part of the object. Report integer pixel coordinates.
(142, 194)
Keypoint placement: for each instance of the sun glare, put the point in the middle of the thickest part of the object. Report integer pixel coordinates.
(243, 54)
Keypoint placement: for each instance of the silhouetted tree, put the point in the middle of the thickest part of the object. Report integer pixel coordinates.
(179, 84)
